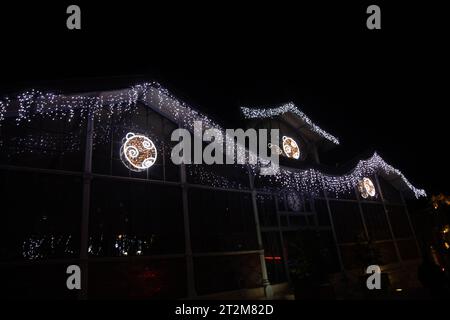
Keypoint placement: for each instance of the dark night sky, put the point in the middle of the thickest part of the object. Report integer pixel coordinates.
(381, 90)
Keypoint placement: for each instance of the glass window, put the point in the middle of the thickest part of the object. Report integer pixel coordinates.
(111, 135)
(284, 220)
(347, 221)
(376, 222)
(266, 210)
(41, 215)
(221, 221)
(37, 281)
(44, 143)
(328, 252)
(349, 195)
(322, 212)
(143, 279)
(390, 194)
(129, 218)
(274, 257)
(220, 175)
(408, 249)
(352, 258)
(399, 221)
(387, 252)
(226, 273)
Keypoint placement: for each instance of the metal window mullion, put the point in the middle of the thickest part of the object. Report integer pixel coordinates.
(280, 232)
(333, 231)
(190, 275)
(265, 280)
(394, 240)
(87, 179)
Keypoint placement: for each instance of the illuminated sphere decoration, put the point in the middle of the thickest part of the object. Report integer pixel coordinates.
(366, 188)
(291, 148)
(138, 152)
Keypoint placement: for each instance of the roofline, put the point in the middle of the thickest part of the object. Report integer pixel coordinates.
(255, 113)
(364, 167)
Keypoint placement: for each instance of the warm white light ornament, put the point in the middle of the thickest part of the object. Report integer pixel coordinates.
(138, 152)
(290, 148)
(366, 188)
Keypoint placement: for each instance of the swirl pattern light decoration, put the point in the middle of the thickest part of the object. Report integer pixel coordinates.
(138, 152)
(290, 148)
(366, 188)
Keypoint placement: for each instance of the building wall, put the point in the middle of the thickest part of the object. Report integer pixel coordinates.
(164, 233)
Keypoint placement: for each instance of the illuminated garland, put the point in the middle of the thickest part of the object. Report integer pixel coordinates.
(3, 105)
(33, 103)
(251, 113)
(57, 107)
(313, 181)
(46, 144)
(200, 174)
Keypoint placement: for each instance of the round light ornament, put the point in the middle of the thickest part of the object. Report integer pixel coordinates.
(366, 188)
(290, 148)
(138, 152)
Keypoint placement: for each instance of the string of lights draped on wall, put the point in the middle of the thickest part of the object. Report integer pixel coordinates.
(252, 113)
(58, 107)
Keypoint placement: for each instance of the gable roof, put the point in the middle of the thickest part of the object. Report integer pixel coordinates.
(290, 113)
(161, 100)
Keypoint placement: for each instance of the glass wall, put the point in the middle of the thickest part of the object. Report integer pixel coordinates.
(110, 135)
(43, 143)
(130, 218)
(221, 221)
(137, 239)
(40, 216)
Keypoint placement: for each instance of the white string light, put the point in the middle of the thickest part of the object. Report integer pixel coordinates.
(3, 106)
(251, 113)
(153, 95)
(313, 181)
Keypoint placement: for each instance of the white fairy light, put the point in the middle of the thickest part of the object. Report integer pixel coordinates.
(252, 113)
(293, 201)
(46, 143)
(56, 107)
(313, 181)
(3, 106)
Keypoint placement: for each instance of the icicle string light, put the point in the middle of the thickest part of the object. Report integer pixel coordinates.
(3, 106)
(251, 113)
(154, 96)
(312, 181)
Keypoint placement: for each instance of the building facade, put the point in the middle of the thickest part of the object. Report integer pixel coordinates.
(72, 195)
